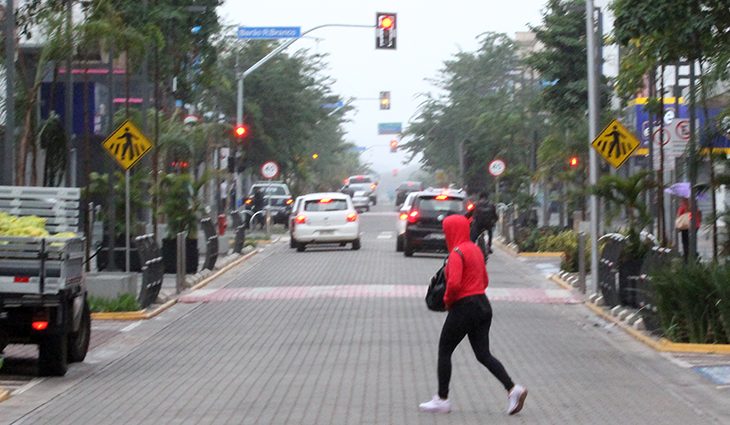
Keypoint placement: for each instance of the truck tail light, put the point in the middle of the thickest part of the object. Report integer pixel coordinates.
(301, 219)
(352, 217)
(40, 325)
(21, 279)
(413, 217)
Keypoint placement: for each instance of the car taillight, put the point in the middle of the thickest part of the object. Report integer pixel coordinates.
(352, 217)
(301, 219)
(403, 216)
(249, 201)
(40, 325)
(325, 200)
(413, 217)
(441, 197)
(469, 206)
(372, 187)
(289, 201)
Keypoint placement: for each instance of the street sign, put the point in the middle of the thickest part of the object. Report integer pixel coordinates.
(267, 33)
(390, 128)
(270, 169)
(497, 167)
(127, 145)
(615, 144)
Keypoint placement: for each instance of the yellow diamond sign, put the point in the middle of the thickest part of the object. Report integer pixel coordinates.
(615, 144)
(127, 144)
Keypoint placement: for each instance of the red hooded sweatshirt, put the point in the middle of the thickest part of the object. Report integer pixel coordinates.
(465, 276)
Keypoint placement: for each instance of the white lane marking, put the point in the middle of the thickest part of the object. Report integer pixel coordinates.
(386, 235)
(130, 327)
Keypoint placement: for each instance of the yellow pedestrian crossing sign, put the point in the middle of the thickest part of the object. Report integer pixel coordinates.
(127, 144)
(615, 144)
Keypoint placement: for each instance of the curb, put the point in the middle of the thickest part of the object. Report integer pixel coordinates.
(144, 315)
(661, 344)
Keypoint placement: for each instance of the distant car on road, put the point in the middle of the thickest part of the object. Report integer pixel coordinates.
(424, 231)
(324, 218)
(360, 194)
(404, 189)
(363, 179)
(277, 199)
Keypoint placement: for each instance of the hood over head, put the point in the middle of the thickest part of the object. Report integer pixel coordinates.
(456, 230)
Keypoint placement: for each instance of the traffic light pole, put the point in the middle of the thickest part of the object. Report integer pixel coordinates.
(254, 67)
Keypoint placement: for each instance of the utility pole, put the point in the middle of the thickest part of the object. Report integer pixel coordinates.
(69, 91)
(593, 117)
(6, 174)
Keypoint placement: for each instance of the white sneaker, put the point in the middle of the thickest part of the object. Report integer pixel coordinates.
(516, 399)
(436, 405)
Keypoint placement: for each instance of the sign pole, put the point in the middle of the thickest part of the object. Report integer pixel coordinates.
(126, 219)
(593, 117)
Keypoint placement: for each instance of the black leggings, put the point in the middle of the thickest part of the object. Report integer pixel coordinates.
(469, 316)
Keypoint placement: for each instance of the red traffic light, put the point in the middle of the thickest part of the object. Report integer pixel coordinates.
(573, 162)
(393, 145)
(240, 131)
(387, 22)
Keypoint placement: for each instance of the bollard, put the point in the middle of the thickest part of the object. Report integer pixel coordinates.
(582, 262)
(181, 266)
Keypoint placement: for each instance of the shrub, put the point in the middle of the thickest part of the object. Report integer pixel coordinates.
(125, 302)
(692, 301)
(567, 243)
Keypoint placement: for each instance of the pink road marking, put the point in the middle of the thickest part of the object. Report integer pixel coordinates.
(526, 295)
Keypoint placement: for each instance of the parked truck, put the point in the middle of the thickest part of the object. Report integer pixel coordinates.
(43, 297)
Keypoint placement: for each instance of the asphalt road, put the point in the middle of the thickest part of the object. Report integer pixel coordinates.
(335, 336)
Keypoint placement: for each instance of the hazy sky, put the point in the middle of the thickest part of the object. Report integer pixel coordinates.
(429, 32)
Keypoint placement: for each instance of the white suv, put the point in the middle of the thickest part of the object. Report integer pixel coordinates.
(327, 217)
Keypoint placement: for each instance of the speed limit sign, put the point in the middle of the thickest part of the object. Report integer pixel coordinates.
(496, 167)
(269, 170)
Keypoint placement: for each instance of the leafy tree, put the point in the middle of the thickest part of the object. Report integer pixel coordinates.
(480, 115)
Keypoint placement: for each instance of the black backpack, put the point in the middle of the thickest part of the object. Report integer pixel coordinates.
(437, 288)
(485, 213)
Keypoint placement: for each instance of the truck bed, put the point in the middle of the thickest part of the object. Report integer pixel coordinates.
(40, 265)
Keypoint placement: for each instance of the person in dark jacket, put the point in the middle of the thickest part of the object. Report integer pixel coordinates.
(483, 219)
(469, 314)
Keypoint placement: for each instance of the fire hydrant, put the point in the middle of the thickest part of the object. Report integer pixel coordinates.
(221, 224)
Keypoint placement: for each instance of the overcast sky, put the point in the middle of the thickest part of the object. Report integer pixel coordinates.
(429, 32)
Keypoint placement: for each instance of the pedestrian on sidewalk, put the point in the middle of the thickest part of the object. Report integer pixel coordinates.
(484, 218)
(682, 223)
(469, 314)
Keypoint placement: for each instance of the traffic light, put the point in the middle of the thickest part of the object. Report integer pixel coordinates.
(240, 131)
(384, 100)
(394, 146)
(385, 30)
(573, 162)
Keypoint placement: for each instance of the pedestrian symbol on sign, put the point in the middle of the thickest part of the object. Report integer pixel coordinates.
(615, 144)
(127, 145)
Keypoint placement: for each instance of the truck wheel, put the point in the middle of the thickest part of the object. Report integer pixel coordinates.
(78, 342)
(53, 355)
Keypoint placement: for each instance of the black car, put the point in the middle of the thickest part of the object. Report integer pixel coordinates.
(424, 231)
(277, 199)
(404, 189)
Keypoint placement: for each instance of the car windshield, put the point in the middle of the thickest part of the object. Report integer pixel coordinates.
(322, 205)
(270, 190)
(445, 205)
(359, 186)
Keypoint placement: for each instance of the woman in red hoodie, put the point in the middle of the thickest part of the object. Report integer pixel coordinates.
(469, 314)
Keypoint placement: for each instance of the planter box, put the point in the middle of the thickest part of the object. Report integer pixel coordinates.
(169, 255)
(102, 258)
